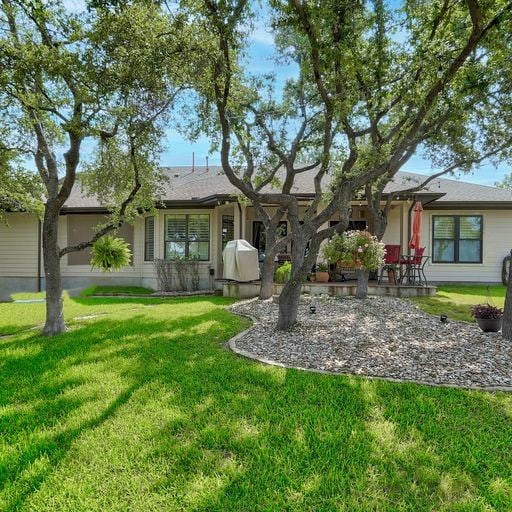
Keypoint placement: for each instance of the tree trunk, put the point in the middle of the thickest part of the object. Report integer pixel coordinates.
(362, 283)
(289, 298)
(506, 329)
(267, 278)
(289, 304)
(54, 312)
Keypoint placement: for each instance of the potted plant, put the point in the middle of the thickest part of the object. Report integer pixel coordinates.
(360, 250)
(322, 273)
(391, 270)
(489, 317)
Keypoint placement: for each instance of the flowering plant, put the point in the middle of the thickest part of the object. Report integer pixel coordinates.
(355, 248)
(486, 311)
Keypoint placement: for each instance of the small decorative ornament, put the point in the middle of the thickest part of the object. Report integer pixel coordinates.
(312, 309)
(444, 319)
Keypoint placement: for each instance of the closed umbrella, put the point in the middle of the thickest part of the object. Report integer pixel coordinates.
(416, 226)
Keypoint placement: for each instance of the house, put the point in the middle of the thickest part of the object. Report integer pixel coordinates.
(466, 230)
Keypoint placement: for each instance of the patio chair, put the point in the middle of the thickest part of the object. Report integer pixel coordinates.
(392, 258)
(418, 271)
(414, 265)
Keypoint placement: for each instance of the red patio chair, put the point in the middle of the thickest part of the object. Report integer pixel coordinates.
(392, 257)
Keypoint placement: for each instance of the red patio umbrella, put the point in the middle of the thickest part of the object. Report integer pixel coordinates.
(416, 226)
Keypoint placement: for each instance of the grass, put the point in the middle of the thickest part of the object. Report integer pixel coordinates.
(141, 407)
(116, 290)
(456, 300)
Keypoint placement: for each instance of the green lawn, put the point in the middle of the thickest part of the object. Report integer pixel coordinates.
(142, 408)
(456, 300)
(116, 290)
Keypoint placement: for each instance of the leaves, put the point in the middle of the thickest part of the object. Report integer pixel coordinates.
(110, 254)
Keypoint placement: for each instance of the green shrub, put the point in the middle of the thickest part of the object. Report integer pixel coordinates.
(110, 254)
(282, 273)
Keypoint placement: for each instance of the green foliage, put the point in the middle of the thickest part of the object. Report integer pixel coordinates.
(283, 272)
(112, 291)
(110, 254)
(506, 182)
(358, 248)
(20, 191)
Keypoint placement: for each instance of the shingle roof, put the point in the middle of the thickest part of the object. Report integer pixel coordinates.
(453, 190)
(202, 183)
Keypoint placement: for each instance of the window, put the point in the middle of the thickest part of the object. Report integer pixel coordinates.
(457, 239)
(352, 224)
(228, 229)
(187, 236)
(258, 234)
(149, 239)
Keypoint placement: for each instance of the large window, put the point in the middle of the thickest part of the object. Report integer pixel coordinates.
(149, 238)
(457, 239)
(187, 236)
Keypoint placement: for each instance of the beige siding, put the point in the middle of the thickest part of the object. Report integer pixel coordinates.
(18, 245)
(66, 224)
(497, 242)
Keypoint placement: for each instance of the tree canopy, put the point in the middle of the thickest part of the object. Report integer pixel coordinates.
(100, 83)
(376, 84)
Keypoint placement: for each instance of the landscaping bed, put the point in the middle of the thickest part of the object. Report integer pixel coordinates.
(378, 337)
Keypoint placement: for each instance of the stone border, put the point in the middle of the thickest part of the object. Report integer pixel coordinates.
(249, 355)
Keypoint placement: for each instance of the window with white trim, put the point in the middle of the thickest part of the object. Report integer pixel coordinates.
(457, 238)
(187, 236)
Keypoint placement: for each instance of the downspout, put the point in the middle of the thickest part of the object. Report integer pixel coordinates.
(401, 227)
(39, 228)
(409, 223)
(241, 220)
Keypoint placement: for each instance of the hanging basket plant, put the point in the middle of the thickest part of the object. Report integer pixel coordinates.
(110, 254)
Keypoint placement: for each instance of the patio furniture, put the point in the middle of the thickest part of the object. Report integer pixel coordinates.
(414, 273)
(392, 258)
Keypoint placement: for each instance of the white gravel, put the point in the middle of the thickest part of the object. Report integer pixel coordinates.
(379, 337)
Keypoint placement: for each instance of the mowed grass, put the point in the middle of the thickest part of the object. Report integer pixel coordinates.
(116, 290)
(142, 408)
(456, 300)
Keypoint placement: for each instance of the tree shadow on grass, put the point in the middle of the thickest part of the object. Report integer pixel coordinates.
(150, 413)
(438, 449)
(54, 390)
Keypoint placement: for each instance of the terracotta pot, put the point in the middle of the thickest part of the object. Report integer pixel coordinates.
(392, 277)
(489, 324)
(322, 277)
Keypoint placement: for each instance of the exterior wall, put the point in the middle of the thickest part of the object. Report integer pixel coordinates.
(206, 281)
(76, 277)
(19, 245)
(19, 240)
(497, 242)
(394, 233)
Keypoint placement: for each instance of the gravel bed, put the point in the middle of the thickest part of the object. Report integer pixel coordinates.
(381, 337)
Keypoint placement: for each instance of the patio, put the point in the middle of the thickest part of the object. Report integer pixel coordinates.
(332, 289)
